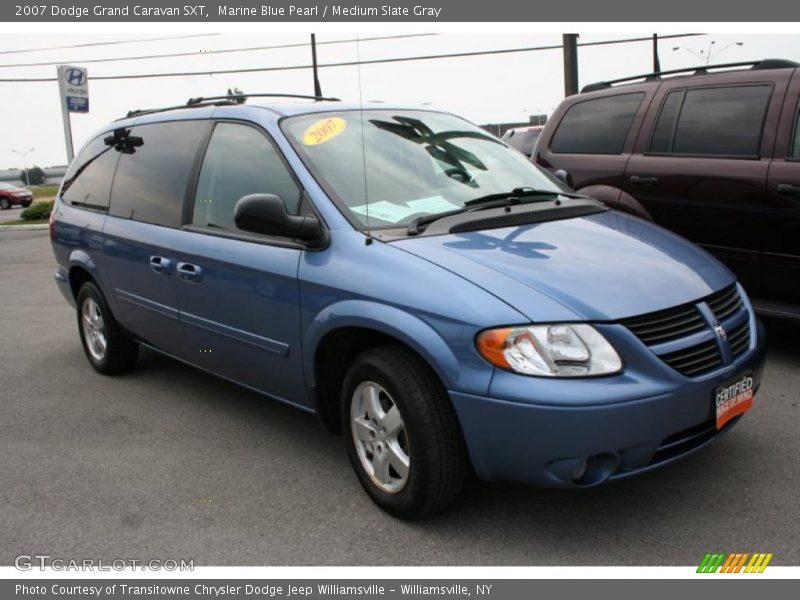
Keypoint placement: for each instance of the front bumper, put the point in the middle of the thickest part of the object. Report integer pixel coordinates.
(543, 444)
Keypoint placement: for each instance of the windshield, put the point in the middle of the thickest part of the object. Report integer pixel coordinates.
(417, 163)
(7, 186)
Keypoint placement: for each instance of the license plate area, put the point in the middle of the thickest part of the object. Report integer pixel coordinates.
(733, 398)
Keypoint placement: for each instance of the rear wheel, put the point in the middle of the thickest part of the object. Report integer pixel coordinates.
(107, 347)
(4, 203)
(402, 434)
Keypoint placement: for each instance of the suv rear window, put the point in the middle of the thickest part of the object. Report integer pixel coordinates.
(597, 126)
(719, 121)
(153, 171)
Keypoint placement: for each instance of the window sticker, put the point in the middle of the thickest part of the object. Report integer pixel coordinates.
(323, 131)
(394, 213)
(432, 205)
(385, 211)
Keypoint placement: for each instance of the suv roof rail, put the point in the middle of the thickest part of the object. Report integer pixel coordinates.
(232, 97)
(757, 65)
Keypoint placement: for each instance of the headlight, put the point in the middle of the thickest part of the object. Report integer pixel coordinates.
(563, 350)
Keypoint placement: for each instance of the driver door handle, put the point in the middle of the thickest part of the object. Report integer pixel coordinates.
(643, 180)
(788, 189)
(190, 272)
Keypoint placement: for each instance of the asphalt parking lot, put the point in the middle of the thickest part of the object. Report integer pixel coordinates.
(169, 462)
(11, 214)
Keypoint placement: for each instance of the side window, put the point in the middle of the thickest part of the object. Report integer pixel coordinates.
(722, 121)
(154, 169)
(87, 182)
(239, 160)
(795, 151)
(597, 126)
(665, 127)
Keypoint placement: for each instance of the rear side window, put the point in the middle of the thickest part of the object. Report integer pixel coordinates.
(239, 160)
(722, 121)
(87, 182)
(154, 169)
(597, 126)
(796, 138)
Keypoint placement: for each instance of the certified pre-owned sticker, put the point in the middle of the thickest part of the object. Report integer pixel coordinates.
(733, 398)
(324, 131)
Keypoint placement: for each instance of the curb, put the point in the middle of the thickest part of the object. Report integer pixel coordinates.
(28, 227)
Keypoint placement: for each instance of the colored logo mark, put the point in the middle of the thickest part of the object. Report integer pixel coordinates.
(738, 562)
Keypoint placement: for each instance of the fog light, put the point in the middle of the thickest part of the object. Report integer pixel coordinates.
(580, 469)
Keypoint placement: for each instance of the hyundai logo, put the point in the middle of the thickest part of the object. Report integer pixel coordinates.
(720, 331)
(75, 77)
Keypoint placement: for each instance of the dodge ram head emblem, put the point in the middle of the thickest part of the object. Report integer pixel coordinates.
(720, 331)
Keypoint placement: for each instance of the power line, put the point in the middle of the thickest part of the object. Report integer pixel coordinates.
(139, 41)
(221, 51)
(351, 63)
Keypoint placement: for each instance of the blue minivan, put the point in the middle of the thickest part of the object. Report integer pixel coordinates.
(423, 288)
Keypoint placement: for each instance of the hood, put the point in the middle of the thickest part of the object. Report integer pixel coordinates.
(601, 267)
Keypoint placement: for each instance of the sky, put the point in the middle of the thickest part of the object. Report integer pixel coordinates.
(484, 89)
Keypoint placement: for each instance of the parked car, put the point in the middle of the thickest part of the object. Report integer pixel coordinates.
(523, 138)
(11, 195)
(426, 290)
(710, 153)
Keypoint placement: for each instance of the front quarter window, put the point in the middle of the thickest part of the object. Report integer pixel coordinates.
(385, 168)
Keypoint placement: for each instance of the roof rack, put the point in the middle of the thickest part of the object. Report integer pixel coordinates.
(758, 65)
(231, 98)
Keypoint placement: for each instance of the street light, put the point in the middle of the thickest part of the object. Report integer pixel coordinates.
(707, 55)
(24, 156)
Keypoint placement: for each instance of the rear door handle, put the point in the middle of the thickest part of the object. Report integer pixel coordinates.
(641, 180)
(162, 265)
(788, 189)
(190, 272)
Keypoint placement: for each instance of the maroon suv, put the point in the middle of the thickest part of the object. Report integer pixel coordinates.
(712, 153)
(11, 195)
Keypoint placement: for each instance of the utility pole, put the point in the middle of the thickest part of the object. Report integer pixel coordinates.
(317, 86)
(24, 156)
(570, 64)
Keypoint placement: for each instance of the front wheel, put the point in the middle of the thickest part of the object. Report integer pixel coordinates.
(5, 204)
(402, 434)
(107, 347)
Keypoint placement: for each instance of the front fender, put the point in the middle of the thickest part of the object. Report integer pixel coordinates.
(392, 321)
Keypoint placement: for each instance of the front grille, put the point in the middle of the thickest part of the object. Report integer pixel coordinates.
(676, 324)
(739, 338)
(724, 303)
(695, 359)
(687, 440)
(666, 325)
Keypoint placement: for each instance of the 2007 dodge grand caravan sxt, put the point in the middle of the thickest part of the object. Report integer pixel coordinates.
(422, 287)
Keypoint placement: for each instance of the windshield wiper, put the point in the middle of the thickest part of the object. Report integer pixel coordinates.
(518, 194)
(515, 196)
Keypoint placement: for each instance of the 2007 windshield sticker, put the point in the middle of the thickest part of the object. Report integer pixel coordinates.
(324, 131)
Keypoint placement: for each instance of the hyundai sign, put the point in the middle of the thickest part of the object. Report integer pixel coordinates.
(73, 83)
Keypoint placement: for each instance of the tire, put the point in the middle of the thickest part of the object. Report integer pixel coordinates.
(428, 434)
(96, 325)
(5, 204)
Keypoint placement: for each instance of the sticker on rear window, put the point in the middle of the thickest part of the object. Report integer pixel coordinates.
(324, 131)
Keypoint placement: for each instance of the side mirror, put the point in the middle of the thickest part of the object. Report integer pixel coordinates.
(266, 213)
(564, 177)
